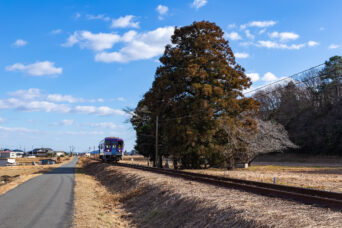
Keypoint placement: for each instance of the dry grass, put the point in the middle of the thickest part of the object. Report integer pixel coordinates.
(316, 177)
(154, 200)
(322, 178)
(20, 174)
(95, 206)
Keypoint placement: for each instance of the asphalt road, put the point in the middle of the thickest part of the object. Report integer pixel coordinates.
(44, 201)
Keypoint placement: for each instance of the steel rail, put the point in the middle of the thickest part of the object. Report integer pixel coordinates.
(320, 198)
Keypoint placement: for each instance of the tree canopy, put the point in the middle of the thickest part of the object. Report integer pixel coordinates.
(197, 90)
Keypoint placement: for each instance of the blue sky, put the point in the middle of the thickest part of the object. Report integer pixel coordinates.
(68, 68)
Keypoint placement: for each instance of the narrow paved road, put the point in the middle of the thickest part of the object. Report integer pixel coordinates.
(44, 201)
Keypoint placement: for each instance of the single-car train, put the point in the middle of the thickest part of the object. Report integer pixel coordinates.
(111, 149)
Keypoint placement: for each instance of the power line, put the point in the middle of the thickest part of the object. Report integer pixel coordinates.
(283, 79)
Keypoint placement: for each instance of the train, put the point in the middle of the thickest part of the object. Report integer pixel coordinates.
(111, 149)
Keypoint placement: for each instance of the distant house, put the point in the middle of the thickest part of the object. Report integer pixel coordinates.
(41, 152)
(8, 154)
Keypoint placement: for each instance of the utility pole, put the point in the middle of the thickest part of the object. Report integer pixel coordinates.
(156, 157)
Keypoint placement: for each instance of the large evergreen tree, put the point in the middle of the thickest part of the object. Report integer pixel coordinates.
(197, 90)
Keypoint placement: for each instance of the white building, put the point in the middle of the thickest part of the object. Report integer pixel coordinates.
(8, 154)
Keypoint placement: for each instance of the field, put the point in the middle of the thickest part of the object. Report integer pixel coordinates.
(112, 196)
(308, 175)
(12, 176)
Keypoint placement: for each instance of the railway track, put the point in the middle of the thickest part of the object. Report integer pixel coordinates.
(326, 199)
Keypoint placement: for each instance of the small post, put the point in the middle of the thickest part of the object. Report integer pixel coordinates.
(274, 180)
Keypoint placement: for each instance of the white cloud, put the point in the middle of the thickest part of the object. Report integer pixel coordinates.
(231, 26)
(276, 45)
(56, 31)
(284, 36)
(162, 10)
(334, 46)
(312, 43)
(253, 76)
(94, 41)
(321, 28)
(65, 123)
(107, 125)
(121, 99)
(20, 43)
(84, 133)
(97, 17)
(125, 22)
(100, 111)
(198, 3)
(269, 77)
(129, 36)
(17, 129)
(233, 36)
(2, 120)
(141, 46)
(241, 55)
(37, 94)
(46, 106)
(249, 35)
(36, 69)
(63, 98)
(33, 106)
(259, 24)
(29, 94)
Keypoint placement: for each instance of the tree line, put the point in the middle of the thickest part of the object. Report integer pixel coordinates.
(310, 108)
(195, 112)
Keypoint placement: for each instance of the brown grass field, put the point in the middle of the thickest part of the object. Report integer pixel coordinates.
(95, 205)
(12, 176)
(286, 173)
(112, 196)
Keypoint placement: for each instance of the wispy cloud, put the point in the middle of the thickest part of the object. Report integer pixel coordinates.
(276, 45)
(241, 55)
(56, 31)
(20, 43)
(312, 43)
(259, 24)
(284, 36)
(36, 69)
(333, 46)
(37, 94)
(64, 123)
(125, 22)
(97, 17)
(106, 125)
(17, 129)
(199, 3)
(46, 106)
